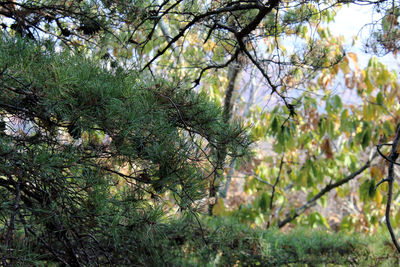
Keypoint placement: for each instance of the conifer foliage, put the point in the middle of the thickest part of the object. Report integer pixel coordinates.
(86, 153)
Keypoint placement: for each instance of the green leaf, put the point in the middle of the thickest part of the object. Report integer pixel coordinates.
(379, 98)
(336, 102)
(264, 202)
(371, 189)
(322, 126)
(388, 128)
(323, 201)
(274, 125)
(366, 190)
(366, 138)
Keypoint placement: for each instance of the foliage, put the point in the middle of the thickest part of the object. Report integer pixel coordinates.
(98, 151)
(241, 245)
(224, 243)
(325, 148)
(386, 34)
(85, 152)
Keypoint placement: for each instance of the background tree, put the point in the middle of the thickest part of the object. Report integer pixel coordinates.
(320, 142)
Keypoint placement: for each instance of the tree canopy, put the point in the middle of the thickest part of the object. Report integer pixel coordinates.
(118, 115)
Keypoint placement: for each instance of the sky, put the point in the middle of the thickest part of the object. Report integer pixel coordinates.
(349, 22)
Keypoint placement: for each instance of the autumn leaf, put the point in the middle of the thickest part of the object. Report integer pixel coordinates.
(327, 148)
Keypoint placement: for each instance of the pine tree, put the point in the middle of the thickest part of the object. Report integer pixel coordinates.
(88, 153)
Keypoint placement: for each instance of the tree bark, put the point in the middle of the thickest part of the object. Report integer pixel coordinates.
(235, 73)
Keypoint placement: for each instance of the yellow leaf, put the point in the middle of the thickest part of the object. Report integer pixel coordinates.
(345, 66)
(378, 197)
(209, 46)
(353, 56)
(335, 69)
(376, 173)
(219, 208)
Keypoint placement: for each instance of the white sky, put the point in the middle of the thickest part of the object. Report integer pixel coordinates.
(349, 22)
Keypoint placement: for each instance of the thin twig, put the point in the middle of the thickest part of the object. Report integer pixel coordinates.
(271, 204)
(390, 179)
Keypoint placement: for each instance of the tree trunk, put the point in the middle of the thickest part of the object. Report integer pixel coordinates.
(235, 74)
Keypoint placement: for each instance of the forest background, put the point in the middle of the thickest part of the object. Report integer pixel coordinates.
(189, 132)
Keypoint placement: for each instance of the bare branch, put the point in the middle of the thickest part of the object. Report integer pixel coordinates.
(326, 189)
(390, 179)
(276, 183)
(196, 20)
